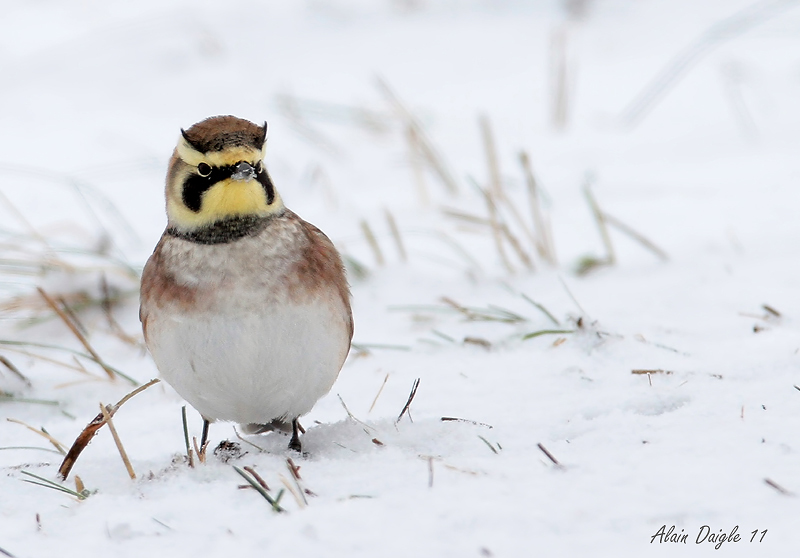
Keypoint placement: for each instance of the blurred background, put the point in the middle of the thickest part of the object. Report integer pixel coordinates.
(534, 198)
(655, 104)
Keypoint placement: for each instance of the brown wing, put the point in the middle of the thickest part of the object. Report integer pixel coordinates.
(321, 265)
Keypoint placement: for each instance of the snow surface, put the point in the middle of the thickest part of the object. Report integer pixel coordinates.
(93, 96)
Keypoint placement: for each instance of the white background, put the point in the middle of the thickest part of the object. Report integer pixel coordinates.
(92, 99)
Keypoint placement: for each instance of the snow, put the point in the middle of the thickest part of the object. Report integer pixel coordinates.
(94, 96)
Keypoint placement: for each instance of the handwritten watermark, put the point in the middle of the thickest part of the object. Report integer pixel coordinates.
(706, 535)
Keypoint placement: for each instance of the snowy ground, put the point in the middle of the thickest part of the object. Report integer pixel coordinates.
(93, 96)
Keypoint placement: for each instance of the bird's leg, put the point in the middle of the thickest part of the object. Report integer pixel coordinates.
(201, 455)
(294, 443)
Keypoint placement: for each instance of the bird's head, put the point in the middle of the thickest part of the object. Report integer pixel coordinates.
(217, 172)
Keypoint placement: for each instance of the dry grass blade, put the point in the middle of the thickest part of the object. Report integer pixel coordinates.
(444, 336)
(34, 310)
(36, 448)
(589, 264)
(258, 478)
(489, 445)
(497, 233)
(91, 429)
(415, 153)
(10, 397)
(398, 240)
(14, 370)
(600, 218)
(78, 382)
(459, 250)
(80, 367)
(200, 451)
(544, 234)
(259, 448)
(644, 241)
(41, 432)
(549, 455)
(274, 502)
(425, 145)
(643, 371)
(71, 315)
(515, 244)
(5, 552)
(778, 487)
(373, 242)
(512, 208)
(464, 216)
(476, 423)
(58, 348)
(498, 193)
(725, 30)
(298, 496)
(506, 315)
(572, 296)
(542, 309)
(477, 341)
(491, 157)
(456, 306)
(377, 395)
(547, 332)
(76, 331)
(351, 415)
(47, 483)
(414, 387)
(293, 469)
(488, 314)
(107, 305)
(295, 474)
(122, 453)
(499, 229)
(604, 220)
(771, 310)
(189, 453)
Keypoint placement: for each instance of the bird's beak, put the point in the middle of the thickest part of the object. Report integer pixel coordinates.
(243, 171)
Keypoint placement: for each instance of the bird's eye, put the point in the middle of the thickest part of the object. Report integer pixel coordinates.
(203, 169)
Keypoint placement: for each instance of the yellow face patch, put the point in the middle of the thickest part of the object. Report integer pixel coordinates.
(225, 198)
(234, 197)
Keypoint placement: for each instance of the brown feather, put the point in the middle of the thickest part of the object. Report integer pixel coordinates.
(159, 285)
(320, 266)
(220, 132)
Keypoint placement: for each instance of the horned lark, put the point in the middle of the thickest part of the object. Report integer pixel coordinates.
(244, 305)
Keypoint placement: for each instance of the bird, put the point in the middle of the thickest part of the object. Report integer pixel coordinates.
(245, 307)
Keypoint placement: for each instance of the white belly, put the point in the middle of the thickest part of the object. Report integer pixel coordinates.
(252, 367)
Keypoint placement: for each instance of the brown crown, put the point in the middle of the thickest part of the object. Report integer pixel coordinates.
(220, 132)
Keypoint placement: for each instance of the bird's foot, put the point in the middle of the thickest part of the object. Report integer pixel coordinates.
(294, 443)
(201, 451)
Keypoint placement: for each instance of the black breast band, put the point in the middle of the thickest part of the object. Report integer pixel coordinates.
(227, 230)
